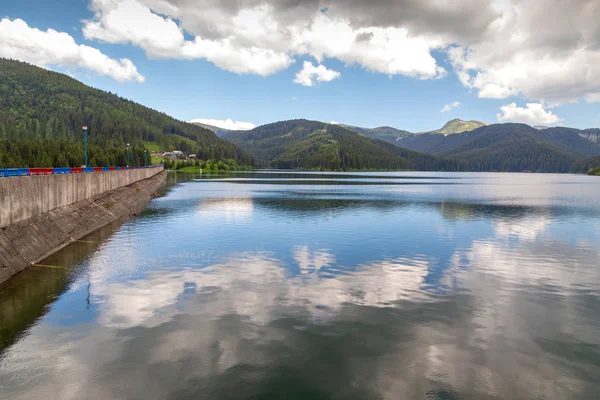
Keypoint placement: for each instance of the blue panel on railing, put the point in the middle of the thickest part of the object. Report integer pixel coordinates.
(8, 172)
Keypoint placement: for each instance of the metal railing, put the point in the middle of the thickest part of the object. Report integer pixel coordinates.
(11, 172)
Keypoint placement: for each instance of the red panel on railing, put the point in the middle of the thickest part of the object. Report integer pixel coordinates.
(76, 170)
(41, 171)
(97, 169)
(112, 169)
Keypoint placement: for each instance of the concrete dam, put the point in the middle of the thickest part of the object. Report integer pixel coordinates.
(39, 215)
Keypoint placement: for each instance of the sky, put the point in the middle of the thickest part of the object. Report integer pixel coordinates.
(410, 64)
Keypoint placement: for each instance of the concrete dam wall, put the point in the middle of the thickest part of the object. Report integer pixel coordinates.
(42, 214)
(25, 197)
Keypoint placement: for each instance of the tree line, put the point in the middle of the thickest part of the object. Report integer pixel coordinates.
(42, 112)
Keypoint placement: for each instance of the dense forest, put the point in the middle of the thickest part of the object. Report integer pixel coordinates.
(313, 145)
(510, 147)
(42, 112)
(589, 166)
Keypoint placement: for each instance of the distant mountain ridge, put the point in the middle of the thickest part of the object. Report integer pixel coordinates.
(509, 147)
(394, 135)
(498, 147)
(215, 129)
(386, 133)
(314, 145)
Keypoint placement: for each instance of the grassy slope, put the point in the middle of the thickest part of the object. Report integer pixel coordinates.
(459, 126)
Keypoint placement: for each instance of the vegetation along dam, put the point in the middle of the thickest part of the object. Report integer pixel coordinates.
(49, 208)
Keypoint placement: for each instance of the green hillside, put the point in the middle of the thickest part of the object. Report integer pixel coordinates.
(41, 114)
(312, 145)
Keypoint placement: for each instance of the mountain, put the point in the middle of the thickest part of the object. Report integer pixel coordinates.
(577, 142)
(572, 140)
(313, 145)
(593, 135)
(41, 114)
(512, 148)
(458, 126)
(385, 133)
(395, 136)
(215, 129)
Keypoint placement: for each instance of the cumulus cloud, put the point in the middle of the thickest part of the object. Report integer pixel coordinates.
(517, 55)
(497, 48)
(532, 114)
(311, 73)
(228, 124)
(47, 48)
(259, 38)
(450, 106)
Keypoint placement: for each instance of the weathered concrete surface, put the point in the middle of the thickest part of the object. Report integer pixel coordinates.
(28, 241)
(30, 196)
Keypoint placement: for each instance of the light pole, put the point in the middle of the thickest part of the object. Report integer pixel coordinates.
(85, 129)
(128, 152)
(145, 160)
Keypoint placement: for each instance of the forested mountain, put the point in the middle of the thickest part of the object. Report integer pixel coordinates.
(313, 145)
(519, 147)
(41, 114)
(575, 142)
(385, 133)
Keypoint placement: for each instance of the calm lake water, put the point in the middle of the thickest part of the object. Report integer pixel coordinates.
(321, 286)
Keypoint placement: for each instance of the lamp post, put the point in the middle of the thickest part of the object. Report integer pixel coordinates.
(128, 153)
(85, 144)
(145, 160)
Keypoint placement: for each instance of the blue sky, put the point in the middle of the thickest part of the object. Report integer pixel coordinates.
(358, 88)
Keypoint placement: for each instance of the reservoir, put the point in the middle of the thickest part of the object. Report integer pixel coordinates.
(272, 285)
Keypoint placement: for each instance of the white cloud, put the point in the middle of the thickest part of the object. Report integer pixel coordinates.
(334, 123)
(262, 39)
(130, 22)
(230, 57)
(517, 55)
(532, 114)
(593, 98)
(226, 124)
(450, 106)
(310, 73)
(46, 48)
(497, 48)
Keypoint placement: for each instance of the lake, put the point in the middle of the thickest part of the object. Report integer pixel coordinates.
(271, 285)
